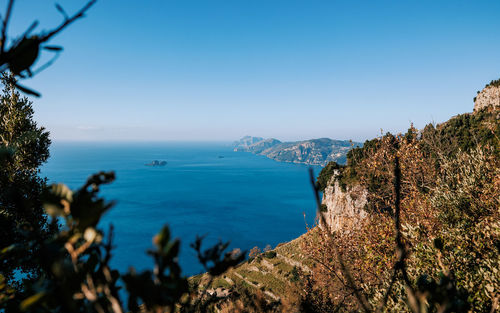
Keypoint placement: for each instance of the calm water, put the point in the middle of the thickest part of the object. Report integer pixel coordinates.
(247, 199)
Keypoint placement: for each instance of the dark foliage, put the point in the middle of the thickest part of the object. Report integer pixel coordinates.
(494, 83)
(75, 262)
(326, 174)
(462, 133)
(21, 55)
(270, 254)
(24, 148)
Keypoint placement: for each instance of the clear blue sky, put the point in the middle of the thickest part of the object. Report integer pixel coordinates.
(218, 70)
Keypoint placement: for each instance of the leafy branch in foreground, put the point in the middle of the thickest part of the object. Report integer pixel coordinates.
(76, 263)
(20, 56)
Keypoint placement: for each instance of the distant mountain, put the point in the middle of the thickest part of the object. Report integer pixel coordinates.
(259, 146)
(246, 142)
(313, 151)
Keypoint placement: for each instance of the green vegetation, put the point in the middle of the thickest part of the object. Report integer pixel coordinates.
(446, 197)
(368, 166)
(24, 147)
(323, 207)
(494, 83)
(270, 254)
(463, 133)
(294, 275)
(326, 174)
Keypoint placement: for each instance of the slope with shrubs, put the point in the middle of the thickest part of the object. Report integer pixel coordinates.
(269, 278)
(449, 195)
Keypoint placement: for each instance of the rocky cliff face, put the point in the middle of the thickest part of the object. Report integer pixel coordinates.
(344, 209)
(489, 96)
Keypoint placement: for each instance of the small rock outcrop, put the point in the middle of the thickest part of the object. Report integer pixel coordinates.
(489, 96)
(156, 163)
(343, 210)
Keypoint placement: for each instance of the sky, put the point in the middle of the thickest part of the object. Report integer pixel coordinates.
(217, 70)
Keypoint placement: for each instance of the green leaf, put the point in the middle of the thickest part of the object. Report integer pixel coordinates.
(161, 240)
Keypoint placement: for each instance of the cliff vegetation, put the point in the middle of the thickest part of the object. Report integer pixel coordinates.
(447, 203)
(409, 224)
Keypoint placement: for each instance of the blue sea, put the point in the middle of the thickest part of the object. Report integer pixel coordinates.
(205, 189)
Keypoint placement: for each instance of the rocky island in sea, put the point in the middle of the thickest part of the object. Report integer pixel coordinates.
(156, 163)
(313, 152)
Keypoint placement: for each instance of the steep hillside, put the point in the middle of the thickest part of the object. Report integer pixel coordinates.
(447, 181)
(274, 275)
(443, 185)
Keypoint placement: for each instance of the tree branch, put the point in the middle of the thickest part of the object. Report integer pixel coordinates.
(68, 21)
(5, 23)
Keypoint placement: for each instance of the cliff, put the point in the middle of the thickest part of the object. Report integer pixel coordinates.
(489, 96)
(342, 209)
(313, 151)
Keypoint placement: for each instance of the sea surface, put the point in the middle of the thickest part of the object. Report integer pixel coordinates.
(205, 189)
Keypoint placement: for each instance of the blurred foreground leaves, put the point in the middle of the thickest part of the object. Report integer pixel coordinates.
(77, 276)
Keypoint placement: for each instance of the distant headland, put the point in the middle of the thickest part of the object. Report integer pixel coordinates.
(313, 152)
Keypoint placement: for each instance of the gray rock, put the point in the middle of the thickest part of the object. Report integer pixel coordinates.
(489, 96)
(344, 209)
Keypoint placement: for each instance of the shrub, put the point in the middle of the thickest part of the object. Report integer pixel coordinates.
(270, 254)
(254, 252)
(24, 147)
(323, 207)
(294, 275)
(326, 174)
